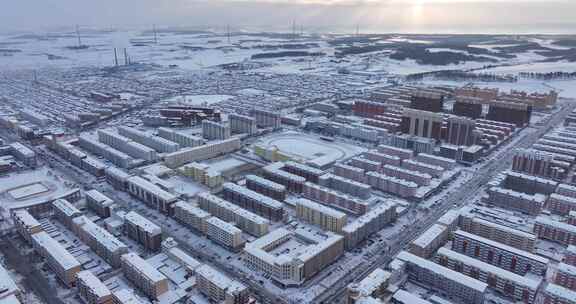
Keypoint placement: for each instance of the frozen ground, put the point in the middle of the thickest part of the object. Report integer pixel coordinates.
(307, 147)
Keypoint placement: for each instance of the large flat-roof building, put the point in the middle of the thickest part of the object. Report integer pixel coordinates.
(308, 254)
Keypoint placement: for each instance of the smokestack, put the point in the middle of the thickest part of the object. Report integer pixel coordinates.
(78, 35)
(155, 35)
(115, 57)
(125, 57)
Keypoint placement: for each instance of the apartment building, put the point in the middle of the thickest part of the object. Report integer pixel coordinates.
(127, 145)
(203, 174)
(292, 268)
(226, 211)
(64, 211)
(549, 229)
(345, 185)
(64, 265)
(191, 216)
(382, 158)
(99, 203)
(451, 282)
(560, 204)
(391, 184)
(509, 284)
(240, 124)
(350, 172)
(224, 234)
(332, 198)
(144, 276)
(566, 276)
(311, 174)
(317, 214)
(219, 288)
(517, 201)
(506, 235)
(374, 220)
(102, 242)
(497, 254)
(151, 194)
(253, 201)
(143, 231)
(207, 151)
(212, 130)
(159, 144)
(183, 139)
(266, 187)
(267, 119)
(554, 294)
(26, 224)
(92, 290)
(292, 182)
(428, 242)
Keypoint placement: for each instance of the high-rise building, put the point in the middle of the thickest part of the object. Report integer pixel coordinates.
(427, 101)
(461, 131)
(267, 119)
(422, 123)
(468, 106)
(516, 113)
(242, 124)
(212, 130)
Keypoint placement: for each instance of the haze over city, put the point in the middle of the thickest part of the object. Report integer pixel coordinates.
(414, 16)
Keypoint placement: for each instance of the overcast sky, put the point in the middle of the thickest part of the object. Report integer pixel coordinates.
(548, 16)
